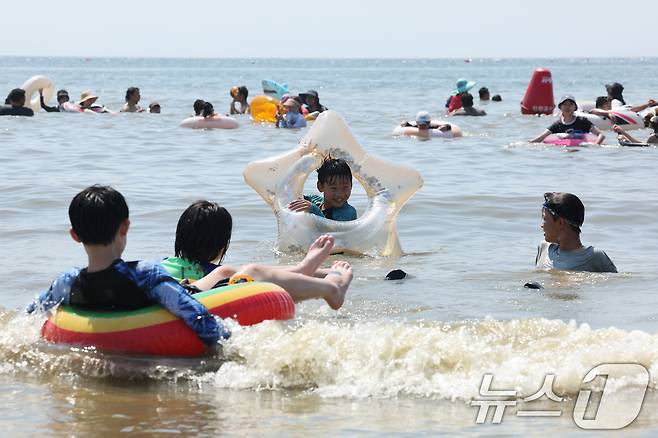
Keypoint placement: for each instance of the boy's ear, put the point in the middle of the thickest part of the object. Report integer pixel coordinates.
(320, 187)
(123, 228)
(74, 235)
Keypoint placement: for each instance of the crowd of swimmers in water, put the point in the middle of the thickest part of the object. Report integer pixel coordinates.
(100, 221)
(292, 109)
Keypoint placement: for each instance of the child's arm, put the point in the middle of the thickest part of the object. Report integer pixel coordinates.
(57, 293)
(619, 130)
(594, 130)
(541, 137)
(163, 289)
(218, 274)
(306, 206)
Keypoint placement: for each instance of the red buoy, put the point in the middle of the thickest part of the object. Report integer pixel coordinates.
(538, 97)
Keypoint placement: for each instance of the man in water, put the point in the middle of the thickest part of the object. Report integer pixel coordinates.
(63, 104)
(425, 124)
(562, 216)
(15, 104)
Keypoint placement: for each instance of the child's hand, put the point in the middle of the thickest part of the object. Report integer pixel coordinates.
(618, 129)
(300, 205)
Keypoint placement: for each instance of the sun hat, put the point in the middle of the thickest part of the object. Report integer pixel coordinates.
(423, 117)
(291, 103)
(463, 86)
(310, 93)
(86, 95)
(567, 97)
(615, 86)
(565, 205)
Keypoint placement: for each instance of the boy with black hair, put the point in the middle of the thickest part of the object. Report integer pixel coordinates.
(99, 220)
(562, 216)
(335, 184)
(484, 94)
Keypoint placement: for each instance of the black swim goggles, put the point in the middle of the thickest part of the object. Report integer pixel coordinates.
(556, 211)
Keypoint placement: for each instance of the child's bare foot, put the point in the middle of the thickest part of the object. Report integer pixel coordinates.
(317, 253)
(341, 276)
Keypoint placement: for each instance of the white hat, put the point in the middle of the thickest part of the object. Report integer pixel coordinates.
(423, 117)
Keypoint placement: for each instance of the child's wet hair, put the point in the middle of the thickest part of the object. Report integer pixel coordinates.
(601, 100)
(208, 109)
(203, 232)
(198, 106)
(333, 169)
(96, 214)
(130, 91)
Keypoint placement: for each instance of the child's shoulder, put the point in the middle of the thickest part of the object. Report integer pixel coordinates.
(66, 279)
(345, 212)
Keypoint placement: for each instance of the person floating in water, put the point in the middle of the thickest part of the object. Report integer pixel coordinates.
(569, 122)
(239, 104)
(455, 100)
(467, 107)
(203, 235)
(293, 118)
(88, 103)
(484, 94)
(63, 103)
(15, 104)
(625, 137)
(311, 101)
(99, 220)
(617, 101)
(335, 184)
(563, 215)
(425, 124)
(132, 101)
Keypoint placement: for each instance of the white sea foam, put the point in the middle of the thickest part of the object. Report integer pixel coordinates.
(386, 359)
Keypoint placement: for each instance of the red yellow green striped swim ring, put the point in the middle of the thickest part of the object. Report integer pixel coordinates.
(155, 331)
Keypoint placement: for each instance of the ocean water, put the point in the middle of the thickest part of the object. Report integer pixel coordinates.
(401, 357)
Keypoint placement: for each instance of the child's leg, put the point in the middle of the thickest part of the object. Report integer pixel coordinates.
(301, 287)
(317, 253)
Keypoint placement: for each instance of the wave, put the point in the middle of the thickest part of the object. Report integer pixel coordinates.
(336, 358)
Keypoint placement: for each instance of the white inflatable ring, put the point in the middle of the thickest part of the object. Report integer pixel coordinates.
(32, 87)
(220, 122)
(412, 131)
(280, 179)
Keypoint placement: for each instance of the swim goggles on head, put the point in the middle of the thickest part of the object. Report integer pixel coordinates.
(554, 210)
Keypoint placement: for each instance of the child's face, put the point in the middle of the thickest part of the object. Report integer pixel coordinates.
(550, 226)
(336, 191)
(568, 107)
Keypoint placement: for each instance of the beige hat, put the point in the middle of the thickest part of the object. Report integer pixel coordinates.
(291, 102)
(86, 95)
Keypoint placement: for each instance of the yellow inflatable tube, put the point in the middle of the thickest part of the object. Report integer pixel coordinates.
(263, 109)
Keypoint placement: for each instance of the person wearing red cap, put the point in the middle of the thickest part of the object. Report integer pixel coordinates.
(569, 122)
(562, 216)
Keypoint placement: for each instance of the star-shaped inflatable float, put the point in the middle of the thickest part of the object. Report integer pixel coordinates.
(280, 180)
